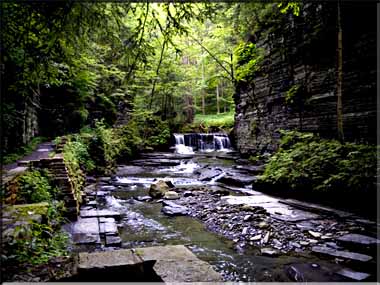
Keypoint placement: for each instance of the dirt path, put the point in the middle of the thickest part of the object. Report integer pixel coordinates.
(42, 151)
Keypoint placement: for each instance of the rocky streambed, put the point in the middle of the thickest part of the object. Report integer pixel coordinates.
(208, 205)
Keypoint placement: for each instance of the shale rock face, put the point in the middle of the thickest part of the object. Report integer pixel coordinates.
(301, 51)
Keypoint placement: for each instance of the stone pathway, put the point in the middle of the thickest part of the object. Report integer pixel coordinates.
(11, 170)
(170, 264)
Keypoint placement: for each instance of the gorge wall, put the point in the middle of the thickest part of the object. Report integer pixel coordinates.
(302, 51)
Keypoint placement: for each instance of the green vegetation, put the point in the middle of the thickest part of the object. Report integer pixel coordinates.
(34, 234)
(305, 162)
(224, 121)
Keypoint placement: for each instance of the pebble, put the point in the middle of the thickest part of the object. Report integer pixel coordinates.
(247, 218)
(263, 225)
(244, 231)
(315, 234)
(255, 238)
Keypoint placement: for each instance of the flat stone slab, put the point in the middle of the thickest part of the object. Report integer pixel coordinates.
(178, 264)
(113, 241)
(82, 238)
(86, 226)
(108, 228)
(357, 239)
(105, 259)
(342, 254)
(99, 213)
(86, 231)
(354, 275)
(315, 208)
(273, 206)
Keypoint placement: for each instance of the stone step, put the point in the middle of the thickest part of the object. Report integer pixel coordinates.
(100, 213)
(352, 256)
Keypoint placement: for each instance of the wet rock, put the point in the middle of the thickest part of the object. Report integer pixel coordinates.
(237, 180)
(354, 275)
(315, 234)
(357, 240)
(266, 238)
(220, 191)
(100, 213)
(253, 169)
(247, 218)
(129, 170)
(144, 198)
(255, 238)
(107, 188)
(263, 225)
(158, 189)
(171, 195)
(86, 231)
(113, 240)
(244, 231)
(173, 209)
(269, 252)
(206, 174)
(187, 193)
(341, 254)
(304, 243)
(295, 274)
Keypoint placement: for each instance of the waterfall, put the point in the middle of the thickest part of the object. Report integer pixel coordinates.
(180, 146)
(187, 143)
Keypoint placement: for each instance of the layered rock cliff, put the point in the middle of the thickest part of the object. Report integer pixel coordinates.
(301, 53)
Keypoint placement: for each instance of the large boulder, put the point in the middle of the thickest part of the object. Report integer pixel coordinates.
(158, 189)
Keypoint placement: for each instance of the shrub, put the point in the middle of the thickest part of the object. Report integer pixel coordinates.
(34, 186)
(306, 162)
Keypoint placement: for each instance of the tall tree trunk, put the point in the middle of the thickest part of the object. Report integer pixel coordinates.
(339, 107)
(217, 99)
(222, 96)
(157, 72)
(203, 91)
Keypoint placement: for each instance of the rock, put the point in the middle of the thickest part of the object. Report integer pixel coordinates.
(221, 191)
(263, 225)
(295, 274)
(144, 198)
(113, 240)
(173, 209)
(100, 213)
(107, 188)
(187, 193)
(208, 173)
(295, 244)
(244, 231)
(341, 254)
(176, 264)
(86, 231)
(269, 251)
(169, 183)
(158, 189)
(304, 243)
(237, 180)
(313, 241)
(255, 238)
(266, 238)
(315, 234)
(357, 240)
(247, 218)
(171, 195)
(354, 275)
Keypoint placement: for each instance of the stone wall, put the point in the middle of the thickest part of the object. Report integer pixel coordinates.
(302, 51)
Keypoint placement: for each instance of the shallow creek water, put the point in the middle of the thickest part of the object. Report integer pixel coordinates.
(143, 224)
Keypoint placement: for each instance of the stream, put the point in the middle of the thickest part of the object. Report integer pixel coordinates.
(200, 162)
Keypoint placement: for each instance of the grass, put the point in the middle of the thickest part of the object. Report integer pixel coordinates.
(221, 121)
(25, 150)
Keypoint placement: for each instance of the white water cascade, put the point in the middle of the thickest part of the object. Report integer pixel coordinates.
(187, 143)
(180, 146)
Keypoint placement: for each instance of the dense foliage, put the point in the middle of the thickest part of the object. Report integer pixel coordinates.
(308, 163)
